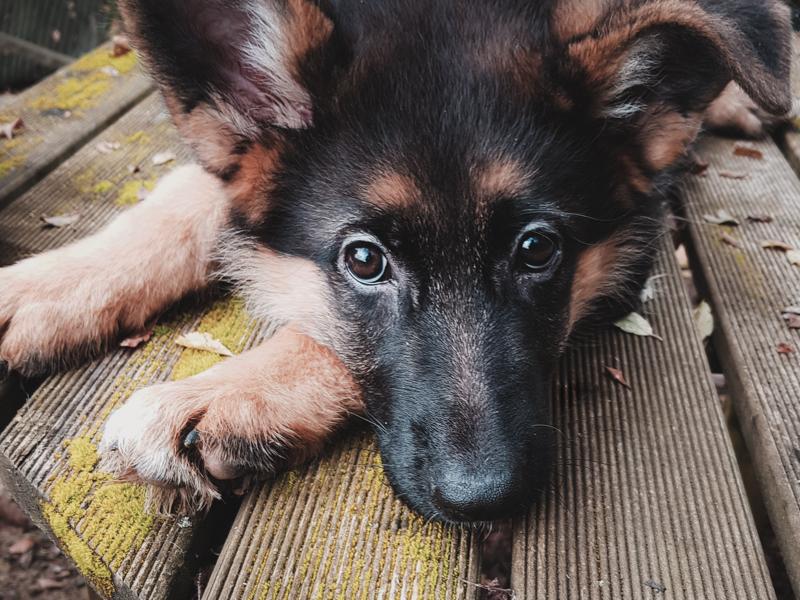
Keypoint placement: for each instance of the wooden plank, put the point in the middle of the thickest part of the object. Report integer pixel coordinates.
(62, 112)
(95, 183)
(334, 529)
(48, 452)
(647, 495)
(38, 54)
(749, 286)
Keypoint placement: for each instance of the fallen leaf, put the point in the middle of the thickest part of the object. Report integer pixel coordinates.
(733, 175)
(721, 217)
(759, 218)
(7, 129)
(120, 45)
(747, 151)
(794, 257)
(776, 245)
(107, 147)
(636, 324)
(203, 341)
(617, 376)
(22, 545)
(792, 321)
(699, 167)
(792, 310)
(703, 320)
(656, 586)
(163, 158)
(730, 240)
(784, 348)
(136, 340)
(60, 220)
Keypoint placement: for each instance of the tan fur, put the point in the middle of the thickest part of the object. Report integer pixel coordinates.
(668, 136)
(308, 29)
(390, 189)
(278, 401)
(279, 288)
(82, 295)
(501, 178)
(733, 110)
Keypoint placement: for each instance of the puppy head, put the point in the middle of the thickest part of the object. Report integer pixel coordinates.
(442, 192)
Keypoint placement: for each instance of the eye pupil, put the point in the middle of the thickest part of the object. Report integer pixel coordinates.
(366, 262)
(536, 251)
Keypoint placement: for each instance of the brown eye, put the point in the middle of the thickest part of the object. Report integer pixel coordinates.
(536, 251)
(366, 262)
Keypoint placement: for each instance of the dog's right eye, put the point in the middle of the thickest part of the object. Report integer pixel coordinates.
(366, 262)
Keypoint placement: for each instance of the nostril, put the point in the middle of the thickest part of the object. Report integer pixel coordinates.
(476, 497)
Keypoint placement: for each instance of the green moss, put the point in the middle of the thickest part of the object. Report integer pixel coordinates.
(138, 137)
(11, 163)
(74, 93)
(129, 193)
(100, 58)
(228, 322)
(101, 187)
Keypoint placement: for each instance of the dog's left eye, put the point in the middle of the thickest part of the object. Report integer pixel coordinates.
(536, 251)
(366, 262)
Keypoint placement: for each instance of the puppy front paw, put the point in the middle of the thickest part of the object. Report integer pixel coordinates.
(162, 437)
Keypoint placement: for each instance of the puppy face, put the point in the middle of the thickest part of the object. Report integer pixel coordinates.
(442, 193)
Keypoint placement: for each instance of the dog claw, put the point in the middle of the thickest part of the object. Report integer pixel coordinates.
(191, 438)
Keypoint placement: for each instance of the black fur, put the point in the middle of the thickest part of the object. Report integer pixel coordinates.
(456, 351)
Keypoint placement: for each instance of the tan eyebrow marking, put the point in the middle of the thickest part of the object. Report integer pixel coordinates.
(500, 178)
(392, 189)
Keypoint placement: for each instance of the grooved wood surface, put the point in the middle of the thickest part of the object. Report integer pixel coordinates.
(647, 492)
(94, 183)
(334, 529)
(48, 452)
(62, 112)
(749, 286)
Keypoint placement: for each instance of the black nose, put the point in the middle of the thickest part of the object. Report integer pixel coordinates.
(467, 495)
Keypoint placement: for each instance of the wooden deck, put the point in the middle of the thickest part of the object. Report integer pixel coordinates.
(649, 501)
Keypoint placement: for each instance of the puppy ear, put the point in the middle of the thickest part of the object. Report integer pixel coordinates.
(233, 74)
(652, 69)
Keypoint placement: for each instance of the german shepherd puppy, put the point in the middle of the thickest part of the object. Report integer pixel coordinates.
(430, 195)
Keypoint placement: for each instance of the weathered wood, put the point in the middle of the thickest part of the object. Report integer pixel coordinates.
(749, 286)
(96, 183)
(62, 112)
(647, 493)
(336, 530)
(48, 452)
(39, 54)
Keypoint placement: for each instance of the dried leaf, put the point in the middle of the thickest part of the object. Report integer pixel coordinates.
(759, 218)
(747, 151)
(636, 324)
(733, 175)
(698, 167)
(793, 257)
(785, 349)
(107, 147)
(776, 245)
(22, 545)
(120, 45)
(163, 158)
(792, 310)
(137, 339)
(792, 321)
(203, 341)
(721, 217)
(617, 376)
(7, 129)
(703, 320)
(730, 240)
(60, 220)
